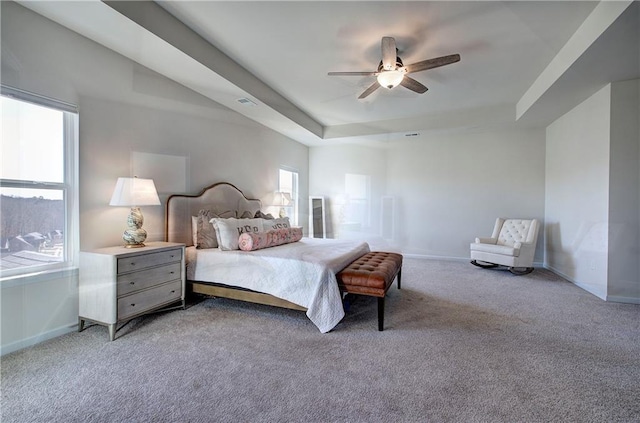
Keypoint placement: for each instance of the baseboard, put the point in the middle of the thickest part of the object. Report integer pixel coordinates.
(601, 295)
(41, 337)
(626, 300)
(559, 273)
(429, 257)
(590, 290)
(447, 258)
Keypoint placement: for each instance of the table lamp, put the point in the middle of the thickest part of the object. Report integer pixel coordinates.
(134, 192)
(282, 199)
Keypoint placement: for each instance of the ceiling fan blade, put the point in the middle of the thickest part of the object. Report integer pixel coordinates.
(352, 73)
(432, 63)
(369, 90)
(413, 85)
(388, 53)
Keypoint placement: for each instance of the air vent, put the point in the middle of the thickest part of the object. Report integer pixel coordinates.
(412, 134)
(245, 102)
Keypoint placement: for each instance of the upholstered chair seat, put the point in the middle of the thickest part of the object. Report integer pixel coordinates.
(512, 244)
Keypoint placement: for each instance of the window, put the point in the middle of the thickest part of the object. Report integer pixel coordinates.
(288, 184)
(38, 196)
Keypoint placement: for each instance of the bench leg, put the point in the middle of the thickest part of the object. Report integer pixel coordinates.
(380, 314)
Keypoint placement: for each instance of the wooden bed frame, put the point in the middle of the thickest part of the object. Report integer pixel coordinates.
(220, 197)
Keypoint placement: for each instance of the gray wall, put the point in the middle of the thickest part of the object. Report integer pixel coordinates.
(624, 199)
(125, 110)
(215, 149)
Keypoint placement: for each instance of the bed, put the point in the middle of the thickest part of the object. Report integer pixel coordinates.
(298, 275)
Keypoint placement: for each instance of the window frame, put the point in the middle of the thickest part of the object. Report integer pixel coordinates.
(295, 195)
(69, 187)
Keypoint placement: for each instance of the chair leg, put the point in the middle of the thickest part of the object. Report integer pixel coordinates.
(484, 265)
(380, 314)
(519, 271)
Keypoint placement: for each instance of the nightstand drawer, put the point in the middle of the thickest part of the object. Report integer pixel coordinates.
(135, 281)
(148, 299)
(142, 261)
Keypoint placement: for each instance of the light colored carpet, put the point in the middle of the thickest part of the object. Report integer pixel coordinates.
(461, 344)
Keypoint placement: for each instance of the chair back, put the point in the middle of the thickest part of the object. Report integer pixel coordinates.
(516, 230)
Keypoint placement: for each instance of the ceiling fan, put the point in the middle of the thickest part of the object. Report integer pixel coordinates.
(391, 71)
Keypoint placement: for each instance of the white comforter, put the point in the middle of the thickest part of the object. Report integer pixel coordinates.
(302, 272)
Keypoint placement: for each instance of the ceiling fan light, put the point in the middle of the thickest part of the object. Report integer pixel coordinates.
(391, 78)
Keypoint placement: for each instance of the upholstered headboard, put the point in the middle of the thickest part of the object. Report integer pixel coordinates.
(219, 197)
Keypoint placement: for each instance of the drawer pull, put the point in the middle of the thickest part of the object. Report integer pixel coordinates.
(173, 291)
(132, 283)
(172, 272)
(133, 304)
(133, 264)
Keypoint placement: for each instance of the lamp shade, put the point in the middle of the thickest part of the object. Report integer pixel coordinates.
(281, 198)
(134, 192)
(391, 78)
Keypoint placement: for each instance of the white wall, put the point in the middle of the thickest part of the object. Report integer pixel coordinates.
(125, 109)
(38, 310)
(577, 193)
(592, 193)
(328, 170)
(448, 188)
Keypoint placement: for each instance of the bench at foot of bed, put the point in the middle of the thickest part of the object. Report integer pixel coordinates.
(372, 274)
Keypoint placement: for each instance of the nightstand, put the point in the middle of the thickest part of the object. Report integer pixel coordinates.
(118, 283)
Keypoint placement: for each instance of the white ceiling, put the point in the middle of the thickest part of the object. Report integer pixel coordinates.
(278, 54)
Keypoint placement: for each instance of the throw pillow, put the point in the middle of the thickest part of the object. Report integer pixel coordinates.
(273, 224)
(251, 241)
(206, 235)
(228, 231)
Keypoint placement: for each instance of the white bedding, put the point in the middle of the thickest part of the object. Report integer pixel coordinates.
(302, 272)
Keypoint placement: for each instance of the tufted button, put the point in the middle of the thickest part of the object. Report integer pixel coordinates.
(513, 230)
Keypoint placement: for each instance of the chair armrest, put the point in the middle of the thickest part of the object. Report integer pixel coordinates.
(486, 240)
(524, 245)
(525, 248)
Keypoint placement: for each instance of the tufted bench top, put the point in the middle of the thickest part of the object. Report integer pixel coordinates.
(371, 274)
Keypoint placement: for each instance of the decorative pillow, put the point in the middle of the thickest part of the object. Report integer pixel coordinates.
(296, 233)
(194, 230)
(251, 241)
(273, 224)
(206, 236)
(261, 215)
(228, 230)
